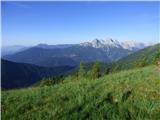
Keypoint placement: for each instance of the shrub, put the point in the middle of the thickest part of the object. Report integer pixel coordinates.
(142, 62)
(156, 58)
(51, 81)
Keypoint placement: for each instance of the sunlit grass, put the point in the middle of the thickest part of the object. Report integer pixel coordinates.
(132, 94)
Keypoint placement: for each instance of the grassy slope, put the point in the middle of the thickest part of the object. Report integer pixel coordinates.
(130, 61)
(105, 98)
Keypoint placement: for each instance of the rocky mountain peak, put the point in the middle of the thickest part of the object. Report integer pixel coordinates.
(109, 42)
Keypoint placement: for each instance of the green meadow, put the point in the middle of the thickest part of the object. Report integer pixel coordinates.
(126, 95)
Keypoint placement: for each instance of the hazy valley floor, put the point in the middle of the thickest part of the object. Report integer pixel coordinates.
(127, 95)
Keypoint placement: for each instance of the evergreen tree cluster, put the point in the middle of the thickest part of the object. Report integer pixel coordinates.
(93, 73)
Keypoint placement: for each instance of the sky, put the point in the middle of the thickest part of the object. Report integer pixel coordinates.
(31, 23)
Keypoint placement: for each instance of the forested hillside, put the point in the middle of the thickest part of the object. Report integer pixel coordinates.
(18, 75)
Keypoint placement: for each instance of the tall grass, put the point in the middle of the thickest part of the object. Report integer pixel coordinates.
(127, 95)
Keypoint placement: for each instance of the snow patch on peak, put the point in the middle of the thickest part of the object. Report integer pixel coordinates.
(102, 43)
(96, 43)
(109, 42)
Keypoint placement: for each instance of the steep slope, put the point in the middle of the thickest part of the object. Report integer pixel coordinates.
(146, 55)
(18, 75)
(132, 94)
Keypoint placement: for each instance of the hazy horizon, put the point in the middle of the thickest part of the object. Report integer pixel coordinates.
(3, 45)
(30, 23)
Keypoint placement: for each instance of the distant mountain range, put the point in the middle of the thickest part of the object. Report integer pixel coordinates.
(46, 46)
(18, 75)
(108, 43)
(9, 50)
(70, 56)
(107, 50)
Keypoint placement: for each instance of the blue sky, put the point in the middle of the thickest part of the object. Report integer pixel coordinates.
(30, 23)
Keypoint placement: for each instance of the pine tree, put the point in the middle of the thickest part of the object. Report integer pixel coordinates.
(81, 72)
(107, 71)
(96, 70)
(142, 62)
(156, 58)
